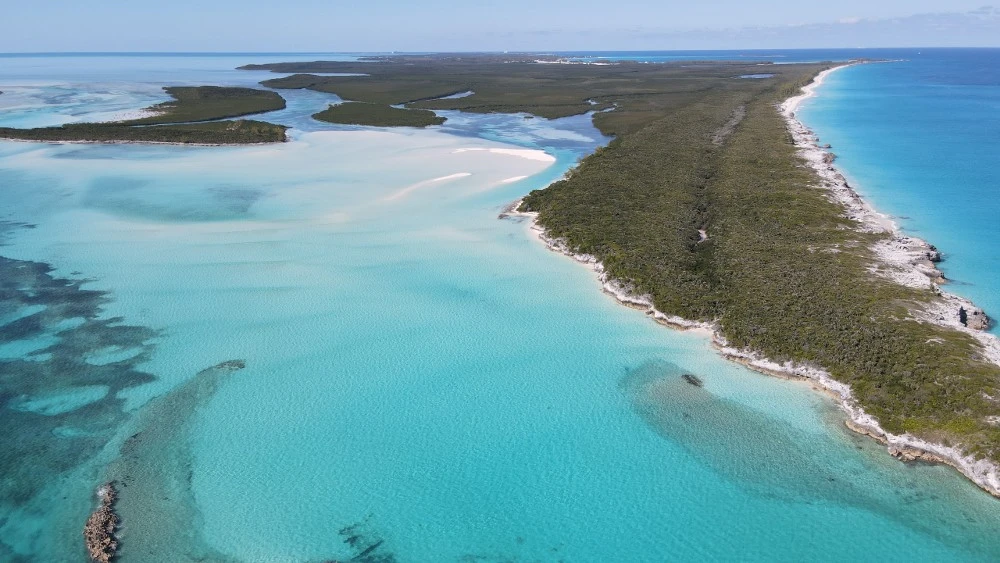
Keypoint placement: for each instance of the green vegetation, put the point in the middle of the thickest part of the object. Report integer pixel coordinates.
(238, 132)
(377, 115)
(190, 118)
(782, 271)
(209, 103)
(518, 84)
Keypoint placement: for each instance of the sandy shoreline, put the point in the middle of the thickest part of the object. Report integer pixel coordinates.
(904, 259)
(130, 115)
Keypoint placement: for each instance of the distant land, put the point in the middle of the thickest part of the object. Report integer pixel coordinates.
(196, 115)
(378, 115)
(976, 28)
(651, 28)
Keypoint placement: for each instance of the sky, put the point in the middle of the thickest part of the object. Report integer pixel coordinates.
(494, 25)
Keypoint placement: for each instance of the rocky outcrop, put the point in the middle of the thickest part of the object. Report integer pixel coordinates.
(693, 380)
(973, 318)
(99, 531)
(902, 452)
(932, 254)
(905, 453)
(229, 365)
(510, 210)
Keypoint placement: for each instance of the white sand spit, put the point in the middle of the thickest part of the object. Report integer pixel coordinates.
(414, 187)
(530, 154)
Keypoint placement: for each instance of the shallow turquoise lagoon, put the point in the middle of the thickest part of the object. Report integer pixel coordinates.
(421, 380)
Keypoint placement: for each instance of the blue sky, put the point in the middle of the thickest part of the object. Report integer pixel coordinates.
(457, 25)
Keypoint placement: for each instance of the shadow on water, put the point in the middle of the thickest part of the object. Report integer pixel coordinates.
(365, 546)
(130, 197)
(773, 459)
(61, 369)
(159, 518)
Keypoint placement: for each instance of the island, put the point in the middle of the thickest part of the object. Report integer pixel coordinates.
(378, 115)
(713, 207)
(195, 115)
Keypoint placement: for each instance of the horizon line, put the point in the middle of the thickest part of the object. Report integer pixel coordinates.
(482, 51)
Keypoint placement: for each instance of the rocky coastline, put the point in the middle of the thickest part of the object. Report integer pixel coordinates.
(909, 261)
(906, 260)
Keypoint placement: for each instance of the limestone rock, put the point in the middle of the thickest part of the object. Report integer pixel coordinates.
(99, 531)
(906, 453)
(932, 253)
(973, 318)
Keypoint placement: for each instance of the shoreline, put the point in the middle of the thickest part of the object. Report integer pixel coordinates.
(123, 142)
(130, 115)
(904, 259)
(908, 261)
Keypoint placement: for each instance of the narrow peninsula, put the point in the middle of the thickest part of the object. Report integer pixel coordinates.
(713, 207)
(196, 115)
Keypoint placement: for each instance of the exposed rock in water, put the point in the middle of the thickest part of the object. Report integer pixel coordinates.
(974, 318)
(906, 453)
(229, 365)
(693, 380)
(900, 452)
(933, 254)
(510, 209)
(99, 532)
(366, 548)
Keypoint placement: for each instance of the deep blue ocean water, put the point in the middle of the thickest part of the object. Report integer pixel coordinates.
(423, 381)
(920, 138)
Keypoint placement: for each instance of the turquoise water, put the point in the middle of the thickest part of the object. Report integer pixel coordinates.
(398, 374)
(921, 139)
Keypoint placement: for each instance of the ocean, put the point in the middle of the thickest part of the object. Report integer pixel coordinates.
(920, 139)
(334, 348)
